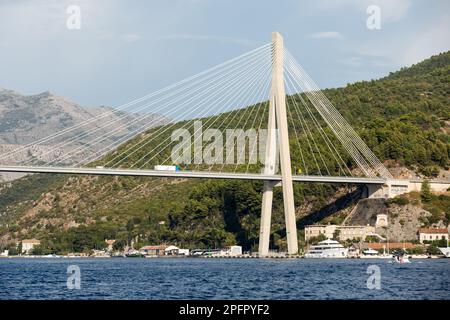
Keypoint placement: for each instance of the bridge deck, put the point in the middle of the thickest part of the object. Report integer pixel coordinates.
(187, 174)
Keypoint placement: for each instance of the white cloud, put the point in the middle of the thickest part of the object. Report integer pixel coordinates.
(200, 37)
(326, 35)
(130, 37)
(411, 48)
(352, 61)
(360, 58)
(431, 41)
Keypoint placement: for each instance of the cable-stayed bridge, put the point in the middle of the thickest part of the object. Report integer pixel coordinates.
(255, 117)
(188, 174)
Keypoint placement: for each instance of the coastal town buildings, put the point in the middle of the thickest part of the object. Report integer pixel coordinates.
(29, 244)
(171, 251)
(175, 251)
(109, 244)
(231, 251)
(342, 232)
(153, 250)
(431, 234)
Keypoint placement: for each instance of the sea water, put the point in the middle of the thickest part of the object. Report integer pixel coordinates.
(203, 278)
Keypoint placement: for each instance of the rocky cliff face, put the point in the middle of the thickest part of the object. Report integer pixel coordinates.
(27, 119)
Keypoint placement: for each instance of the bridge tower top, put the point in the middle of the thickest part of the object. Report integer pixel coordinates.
(277, 60)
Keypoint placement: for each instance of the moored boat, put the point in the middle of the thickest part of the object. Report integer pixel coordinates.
(134, 254)
(445, 251)
(400, 257)
(370, 252)
(327, 249)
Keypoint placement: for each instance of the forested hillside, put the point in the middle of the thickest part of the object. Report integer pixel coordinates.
(404, 118)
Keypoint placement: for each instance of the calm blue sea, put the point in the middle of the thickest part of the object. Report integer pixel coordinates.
(134, 278)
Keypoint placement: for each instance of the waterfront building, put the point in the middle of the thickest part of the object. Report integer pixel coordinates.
(231, 251)
(109, 244)
(344, 232)
(171, 251)
(153, 250)
(29, 244)
(175, 251)
(183, 252)
(383, 246)
(432, 234)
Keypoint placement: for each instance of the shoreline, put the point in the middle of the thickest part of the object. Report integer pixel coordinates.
(415, 257)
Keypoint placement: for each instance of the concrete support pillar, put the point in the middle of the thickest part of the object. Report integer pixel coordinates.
(277, 111)
(266, 217)
(269, 168)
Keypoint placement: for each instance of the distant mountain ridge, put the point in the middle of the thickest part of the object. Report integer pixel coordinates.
(25, 119)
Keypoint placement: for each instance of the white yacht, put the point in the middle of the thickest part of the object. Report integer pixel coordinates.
(327, 249)
(370, 252)
(445, 251)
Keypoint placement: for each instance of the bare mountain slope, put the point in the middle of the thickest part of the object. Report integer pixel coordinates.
(26, 119)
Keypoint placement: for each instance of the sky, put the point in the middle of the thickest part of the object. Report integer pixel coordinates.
(126, 49)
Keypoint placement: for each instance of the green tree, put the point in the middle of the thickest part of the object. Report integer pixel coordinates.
(315, 240)
(425, 192)
(336, 234)
(37, 250)
(119, 245)
(432, 249)
(416, 250)
(400, 200)
(13, 251)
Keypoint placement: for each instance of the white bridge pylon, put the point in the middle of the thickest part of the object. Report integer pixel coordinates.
(278, 123)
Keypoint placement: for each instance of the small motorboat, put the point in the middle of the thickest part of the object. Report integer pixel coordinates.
(399, 257)
(134, 254)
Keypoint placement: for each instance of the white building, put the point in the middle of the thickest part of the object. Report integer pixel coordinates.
(394, 187)
(183, 252)
(171, 251)
(382, 220)
(231, 251)
(345, 232)
(29, 244)
(175, 251)
(429, 234)
(109, 244)
(153, 250)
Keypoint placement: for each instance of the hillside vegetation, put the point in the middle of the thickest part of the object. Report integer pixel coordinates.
(404, 118)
